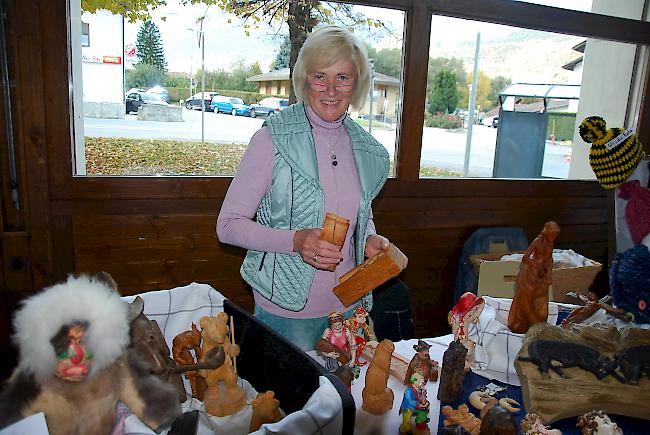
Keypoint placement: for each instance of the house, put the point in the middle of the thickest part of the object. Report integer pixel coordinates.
(385, 97)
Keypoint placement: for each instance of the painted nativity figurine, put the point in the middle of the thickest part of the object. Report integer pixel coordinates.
(337, 343)
(465, 312)
(423, 363)
(415, 404)
(362, 332)
(530, 303)
(532, 424)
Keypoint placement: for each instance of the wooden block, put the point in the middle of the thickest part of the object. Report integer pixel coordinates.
(398, 364)
(375, 271)
(334, 230)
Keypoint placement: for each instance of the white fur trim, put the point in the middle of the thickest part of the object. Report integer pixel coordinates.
(82, 298)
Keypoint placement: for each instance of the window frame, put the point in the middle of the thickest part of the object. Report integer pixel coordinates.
(418, 18)
(85, 26)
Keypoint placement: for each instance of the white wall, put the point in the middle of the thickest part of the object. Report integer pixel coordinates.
(103, 81)
(606, 82)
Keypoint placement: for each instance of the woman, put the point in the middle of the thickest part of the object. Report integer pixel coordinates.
(307, 160)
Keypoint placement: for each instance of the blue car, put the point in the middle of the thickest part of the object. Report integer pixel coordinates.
(232, 105)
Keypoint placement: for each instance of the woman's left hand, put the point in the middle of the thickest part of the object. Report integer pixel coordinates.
(375, 244)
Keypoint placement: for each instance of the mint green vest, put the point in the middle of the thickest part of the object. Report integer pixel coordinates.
(295, 201)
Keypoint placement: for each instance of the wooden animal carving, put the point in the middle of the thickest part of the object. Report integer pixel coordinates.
(530, 304)
(223, 395)
(266, 409)
(186, 348)
(148, 341)
(52, 348)
(462, 416)
(377, 397)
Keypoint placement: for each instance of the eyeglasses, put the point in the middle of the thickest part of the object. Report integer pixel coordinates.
(320, 83)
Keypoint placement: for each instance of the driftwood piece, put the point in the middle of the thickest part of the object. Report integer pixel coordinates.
(554, 398)
(375, 271)
(398, 364)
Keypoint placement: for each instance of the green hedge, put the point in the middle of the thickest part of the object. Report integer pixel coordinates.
(177, 94)
(565, 124)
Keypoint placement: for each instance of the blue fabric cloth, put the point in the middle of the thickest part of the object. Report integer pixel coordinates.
(479, 243)
(629, 425)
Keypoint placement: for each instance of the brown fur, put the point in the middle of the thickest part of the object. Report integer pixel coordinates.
(377, 397)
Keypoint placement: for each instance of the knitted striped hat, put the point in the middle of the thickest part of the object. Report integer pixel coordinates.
(614, 153)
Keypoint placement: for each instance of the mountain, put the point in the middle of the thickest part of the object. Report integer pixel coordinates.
(524, 56)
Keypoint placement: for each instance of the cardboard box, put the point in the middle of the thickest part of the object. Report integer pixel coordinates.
(497, 278)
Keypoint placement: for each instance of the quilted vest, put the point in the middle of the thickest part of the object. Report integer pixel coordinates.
(295, 201)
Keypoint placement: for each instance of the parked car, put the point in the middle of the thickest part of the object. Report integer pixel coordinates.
(495, 122)
(232, 105)
(136, 99)
(161, 92)
(132, 90)
(194, 102)
(268, 106)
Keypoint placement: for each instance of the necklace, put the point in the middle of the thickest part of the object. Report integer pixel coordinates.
(330, 144)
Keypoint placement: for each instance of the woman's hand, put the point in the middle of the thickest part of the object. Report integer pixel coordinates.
(319, 253)
(375, 244)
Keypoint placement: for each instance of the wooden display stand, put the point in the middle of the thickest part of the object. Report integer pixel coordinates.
(375, 271)
(555, 398)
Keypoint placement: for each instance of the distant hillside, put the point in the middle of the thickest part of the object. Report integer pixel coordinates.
(526, 56)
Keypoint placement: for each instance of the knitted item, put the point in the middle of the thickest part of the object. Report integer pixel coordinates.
(614, 153)
(629, 281)
(637, 209)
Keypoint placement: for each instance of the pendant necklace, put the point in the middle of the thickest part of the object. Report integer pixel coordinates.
(331, 145)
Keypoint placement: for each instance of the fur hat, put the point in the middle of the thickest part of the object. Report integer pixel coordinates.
(614, 153)
(88, 299)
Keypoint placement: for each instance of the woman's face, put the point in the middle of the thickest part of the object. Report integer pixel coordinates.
(330, 89)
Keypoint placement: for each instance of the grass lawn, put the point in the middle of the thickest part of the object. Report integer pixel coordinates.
(121, 156)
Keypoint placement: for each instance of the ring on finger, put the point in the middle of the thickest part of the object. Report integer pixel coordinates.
(316, 258)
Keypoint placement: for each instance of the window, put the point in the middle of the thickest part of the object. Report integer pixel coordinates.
(85, 34)
(519, 118)
(106, 123)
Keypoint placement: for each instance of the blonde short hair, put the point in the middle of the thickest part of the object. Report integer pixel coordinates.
(326, 46)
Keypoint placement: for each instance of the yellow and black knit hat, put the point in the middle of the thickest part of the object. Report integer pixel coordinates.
(614, 153)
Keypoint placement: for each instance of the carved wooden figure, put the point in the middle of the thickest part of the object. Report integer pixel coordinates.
(337, 344)
(377, 397)
(452, 373)
(423, 363)
(530, 304)
(182, 347)
(467, 310)
(362, 332)
(223, 395)
(498, 421)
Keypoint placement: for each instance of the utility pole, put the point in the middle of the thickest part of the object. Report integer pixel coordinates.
(472, 103)
(191, 60)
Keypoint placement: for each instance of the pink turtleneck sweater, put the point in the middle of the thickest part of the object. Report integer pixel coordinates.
(252, 181)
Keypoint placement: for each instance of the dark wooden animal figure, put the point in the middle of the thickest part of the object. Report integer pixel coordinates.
(148, 341)
(182, 347)
(452, 374)
(634, 362)
(568, 354)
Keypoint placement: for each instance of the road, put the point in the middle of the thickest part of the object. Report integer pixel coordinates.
(440, 148)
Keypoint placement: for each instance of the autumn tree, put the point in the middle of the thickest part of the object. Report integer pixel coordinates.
(387, 60)
(484, 87)
(498, 84)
